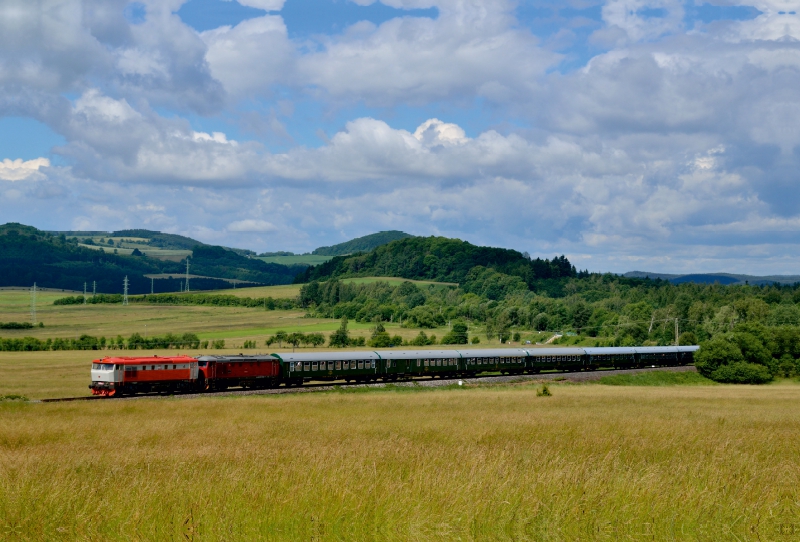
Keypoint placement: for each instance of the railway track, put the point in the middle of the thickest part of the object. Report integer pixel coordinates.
(577, 376)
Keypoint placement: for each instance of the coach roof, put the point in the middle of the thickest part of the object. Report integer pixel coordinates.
(326, 356)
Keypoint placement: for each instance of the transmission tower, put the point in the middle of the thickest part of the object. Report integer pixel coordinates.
(125, 291)
(151, 285)
(33, 304)
(187, 274)
(94, 288)
(84, 293)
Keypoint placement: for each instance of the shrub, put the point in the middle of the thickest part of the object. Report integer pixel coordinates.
(341, 337)
(476, 340)
(458, 335)
(380, 340)
(714, 354)
(422, 340)
(517, 337)
(315, 339)
(742, 372)
(218, 344)
(787, 366)
(204, 344)
(544, 392)
(16, 325)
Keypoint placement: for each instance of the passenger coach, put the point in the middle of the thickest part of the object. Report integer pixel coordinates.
(117, 376)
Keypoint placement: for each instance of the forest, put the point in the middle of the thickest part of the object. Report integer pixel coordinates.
(747, 333)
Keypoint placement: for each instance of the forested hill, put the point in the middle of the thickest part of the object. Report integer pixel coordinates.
(361, 244)
(28, 255)
(441, 259)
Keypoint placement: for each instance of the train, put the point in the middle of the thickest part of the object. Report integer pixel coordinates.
(119, 376)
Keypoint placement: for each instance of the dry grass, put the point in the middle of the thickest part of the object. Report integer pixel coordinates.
(591, 462)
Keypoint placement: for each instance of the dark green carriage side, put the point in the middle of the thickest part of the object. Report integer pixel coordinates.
(410, 363)
(329, 366)
(496, 360)
(623, 357)
(555, 359)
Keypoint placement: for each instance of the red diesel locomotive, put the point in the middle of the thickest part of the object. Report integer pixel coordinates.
(130, 375)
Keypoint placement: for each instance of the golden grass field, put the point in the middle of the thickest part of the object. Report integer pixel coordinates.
(592, 462)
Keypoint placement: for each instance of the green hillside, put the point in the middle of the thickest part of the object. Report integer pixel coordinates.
(361, 244)
(30, 255)
(442, 260)
(153, 243)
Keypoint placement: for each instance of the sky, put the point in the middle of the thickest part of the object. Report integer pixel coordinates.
(657, 135)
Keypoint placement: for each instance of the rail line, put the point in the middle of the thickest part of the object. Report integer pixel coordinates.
(432, 382)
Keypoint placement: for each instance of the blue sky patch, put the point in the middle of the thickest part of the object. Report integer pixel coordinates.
(26, 138)
(135, 13)
(303, 18)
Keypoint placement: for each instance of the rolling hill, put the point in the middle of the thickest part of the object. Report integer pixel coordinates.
(361, 244)
(30, 255)
(439, 259)
(721, 278)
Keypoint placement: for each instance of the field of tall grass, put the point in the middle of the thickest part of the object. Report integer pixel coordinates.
(591, 462)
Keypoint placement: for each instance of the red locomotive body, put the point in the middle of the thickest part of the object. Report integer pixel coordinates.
(222, 372)
(130, 375)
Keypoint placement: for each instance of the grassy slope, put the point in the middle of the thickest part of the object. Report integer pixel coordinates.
(657, 378)
(591, 462)
(394, 281)
(308, 259)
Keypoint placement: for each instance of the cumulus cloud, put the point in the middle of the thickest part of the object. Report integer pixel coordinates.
(251, 225)
(19, 170)
(667, 144)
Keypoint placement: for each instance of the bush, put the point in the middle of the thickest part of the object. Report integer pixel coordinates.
(357, 341)
(341, 337)
(421, 340)
(218, 344)
(16, 325)
(786, 366)
(204, 344)
(517, 337)
(315, 339)
(742, 372)
(476, 340)
(544, 392)
(458, 335)
(714, 354)
(380, 340)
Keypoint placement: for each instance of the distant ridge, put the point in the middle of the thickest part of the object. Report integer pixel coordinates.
(362, 244)
(711, 278)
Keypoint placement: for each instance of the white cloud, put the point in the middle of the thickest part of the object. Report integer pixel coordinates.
(670, 144)
(19, 170)
(251, 225)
